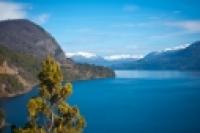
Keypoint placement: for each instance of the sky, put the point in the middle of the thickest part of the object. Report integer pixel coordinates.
(112, 27)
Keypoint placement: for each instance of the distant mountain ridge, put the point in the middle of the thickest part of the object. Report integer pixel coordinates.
(187, 58)
(184, 57)
(101, 61)
(23, 45)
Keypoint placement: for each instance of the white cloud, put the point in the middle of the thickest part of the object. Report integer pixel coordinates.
(84, 54)
(190, 25)
(183, 46)
(123, 56)
(42, 18)
(130, 8)
(11, 10)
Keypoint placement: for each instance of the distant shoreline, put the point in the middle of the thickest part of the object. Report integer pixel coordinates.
(12, 95)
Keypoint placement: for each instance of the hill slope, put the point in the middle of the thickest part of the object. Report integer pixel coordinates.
(26, 37)
(23, 45)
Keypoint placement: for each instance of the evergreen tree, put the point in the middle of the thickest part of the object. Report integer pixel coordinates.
(48, 112)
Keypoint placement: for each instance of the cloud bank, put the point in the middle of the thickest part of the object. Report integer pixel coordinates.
(11, 10)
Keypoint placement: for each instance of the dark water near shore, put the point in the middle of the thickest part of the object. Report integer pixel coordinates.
(133, 102)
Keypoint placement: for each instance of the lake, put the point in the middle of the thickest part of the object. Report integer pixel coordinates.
(133, 102)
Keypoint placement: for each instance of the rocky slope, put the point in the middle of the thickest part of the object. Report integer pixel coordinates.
(23, 45)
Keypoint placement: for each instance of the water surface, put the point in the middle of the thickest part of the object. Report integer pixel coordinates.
(134, 102)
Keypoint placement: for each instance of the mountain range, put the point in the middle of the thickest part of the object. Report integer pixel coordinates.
(109, 61)
(187, 58)
(23, 46)
(183, 58)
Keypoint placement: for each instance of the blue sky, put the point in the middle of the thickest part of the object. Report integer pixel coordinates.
(112, 27)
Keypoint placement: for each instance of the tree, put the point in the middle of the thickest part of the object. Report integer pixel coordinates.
(48, 112)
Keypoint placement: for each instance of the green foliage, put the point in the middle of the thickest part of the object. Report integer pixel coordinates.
(48, 112)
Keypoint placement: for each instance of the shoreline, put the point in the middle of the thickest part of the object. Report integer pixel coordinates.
(12, 95)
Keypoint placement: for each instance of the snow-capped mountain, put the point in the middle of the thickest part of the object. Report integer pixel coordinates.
(112, 60)
(179, 58)
(182, 57)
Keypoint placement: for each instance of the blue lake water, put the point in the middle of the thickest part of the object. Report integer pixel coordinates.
(133, 102)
